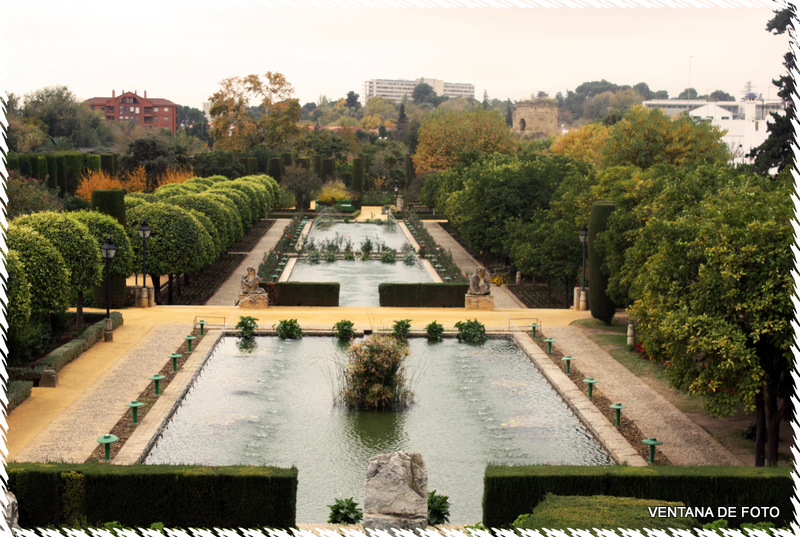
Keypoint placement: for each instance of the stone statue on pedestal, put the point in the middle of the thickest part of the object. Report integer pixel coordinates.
(478, 283)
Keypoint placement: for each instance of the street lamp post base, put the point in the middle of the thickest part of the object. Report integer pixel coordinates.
(584, 305)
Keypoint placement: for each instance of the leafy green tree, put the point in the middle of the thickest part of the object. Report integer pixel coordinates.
(688, 93)
(502, 188)
(28, 195)
(273, 122)
(156, 154)
(546, 247)
(58, 109)
(776, 151)
(218, 162)
(321, 143)
(303, 183)
(645, 137)
(719, 95)
(76, 245)
(351, 101)
(714, 303)
(448, 139)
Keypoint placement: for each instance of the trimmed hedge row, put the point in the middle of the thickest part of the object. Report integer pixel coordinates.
(509, 491)
(18, 391)
(306, 293)
(139, 495)
(62, 169)
(422, 295)
(64, 354)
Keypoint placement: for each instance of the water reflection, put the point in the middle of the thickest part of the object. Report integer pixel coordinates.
(374, 432)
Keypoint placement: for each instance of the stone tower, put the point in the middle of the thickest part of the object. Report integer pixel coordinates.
(535, 119)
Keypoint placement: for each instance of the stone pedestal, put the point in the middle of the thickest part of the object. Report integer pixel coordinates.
(479, 302)
(578, 303)
(396, 494)
(144, 297)
(400, 203)
(49, 379)
(108, 331)
(631, 340)
(253, 301)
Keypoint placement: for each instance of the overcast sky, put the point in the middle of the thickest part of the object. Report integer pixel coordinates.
(181, 50)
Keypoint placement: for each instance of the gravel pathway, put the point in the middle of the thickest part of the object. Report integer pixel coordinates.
(503, 299)
(685, 442)
(228, 292)
(72, 436)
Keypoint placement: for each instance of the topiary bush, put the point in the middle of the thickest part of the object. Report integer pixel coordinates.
(401, 329)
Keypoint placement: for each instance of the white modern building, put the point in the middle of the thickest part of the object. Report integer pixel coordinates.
(675, 107)
(744, 130)
(396, 90)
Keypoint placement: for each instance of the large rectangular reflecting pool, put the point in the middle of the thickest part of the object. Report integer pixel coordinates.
(277, 406)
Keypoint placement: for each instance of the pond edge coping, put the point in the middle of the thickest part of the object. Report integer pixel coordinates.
(140, 443)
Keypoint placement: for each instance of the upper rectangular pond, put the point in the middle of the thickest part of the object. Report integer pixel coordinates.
(359, 280)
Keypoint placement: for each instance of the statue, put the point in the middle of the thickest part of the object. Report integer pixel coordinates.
(250, 282)
(478, 283)
(252, 295)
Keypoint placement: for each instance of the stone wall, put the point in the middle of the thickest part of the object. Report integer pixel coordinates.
(536, 119)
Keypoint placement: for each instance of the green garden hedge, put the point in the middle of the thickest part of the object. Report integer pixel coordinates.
(139, 495)
(509, 491)
(422, 295)
(307, 293)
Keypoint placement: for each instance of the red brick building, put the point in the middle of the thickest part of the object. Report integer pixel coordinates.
(138, 109)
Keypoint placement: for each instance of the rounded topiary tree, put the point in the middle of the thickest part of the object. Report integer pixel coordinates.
(101, 226)
(600, 304)
(234, 218)
(76, 245)
(239, 199)
(18, 292)
(374, 376)
(256, 196)
(214, 210)
(44, 269)
(175, 245)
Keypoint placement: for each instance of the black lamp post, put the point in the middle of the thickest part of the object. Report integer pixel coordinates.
(583, 234)
(144, 233)
(108, 249)
(396, 194)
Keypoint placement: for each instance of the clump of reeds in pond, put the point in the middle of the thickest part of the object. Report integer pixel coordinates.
(374, 375)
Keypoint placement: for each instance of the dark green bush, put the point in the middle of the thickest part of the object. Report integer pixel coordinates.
(218, 163)
(137, 496)
(344, 329)
(345, 511)
(73, 167)
(308, 293)
(401, 329)
(422, 295)
(434, 331)
(93, 162)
